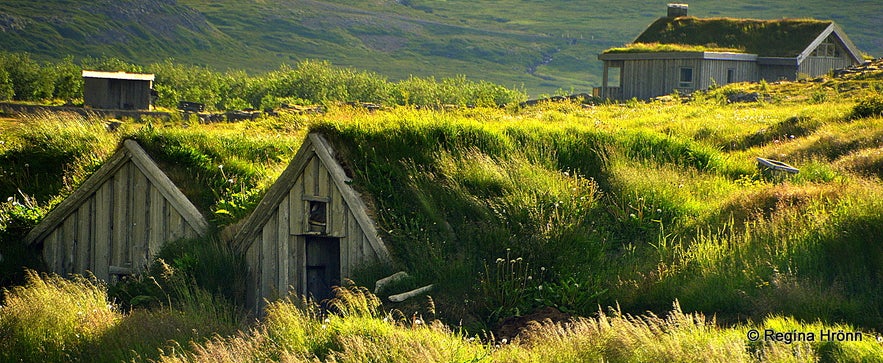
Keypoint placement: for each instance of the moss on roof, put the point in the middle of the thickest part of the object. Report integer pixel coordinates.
(660, 48)
(766, 38)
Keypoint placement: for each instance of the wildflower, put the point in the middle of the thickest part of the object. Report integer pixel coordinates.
(504, 341)
(542, 268)
(539, 287)
(658, 210)
(230, 181)
(529, 277)
(221, 166)
(632, 215)
(10, 199)
(418, 322)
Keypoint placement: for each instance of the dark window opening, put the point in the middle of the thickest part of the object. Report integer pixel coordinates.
(686, 80)
(318, 217)
(731, 75)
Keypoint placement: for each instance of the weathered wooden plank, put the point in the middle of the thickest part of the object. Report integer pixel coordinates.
(253, 259)
(102, 230)
(157, 223)
(323, 184)
(311, 177)
(269, 268)
(84, 237)
(337, 221)
(296, 262)
(70, 244)
(140, 219)
(342, 221)
(354, 242)
(176, 226)
(297, 207)
(50, 249)
(282, 246)
(121, 222)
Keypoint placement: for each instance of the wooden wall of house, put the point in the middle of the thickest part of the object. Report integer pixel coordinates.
(276, 255)
(716, 70)
(773, 73)
(116, 93)
(121, 226)
(648, 78)
(818, 66)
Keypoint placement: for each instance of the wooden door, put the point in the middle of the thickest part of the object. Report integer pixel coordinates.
(322, 266)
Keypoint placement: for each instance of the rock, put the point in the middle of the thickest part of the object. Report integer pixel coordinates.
(515, 326)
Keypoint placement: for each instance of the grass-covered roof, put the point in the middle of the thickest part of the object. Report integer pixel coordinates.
(766, 38)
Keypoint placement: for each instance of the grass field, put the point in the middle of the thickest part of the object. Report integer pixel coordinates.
(657, 210)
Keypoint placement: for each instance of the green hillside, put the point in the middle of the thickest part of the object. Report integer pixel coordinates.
(541, 46)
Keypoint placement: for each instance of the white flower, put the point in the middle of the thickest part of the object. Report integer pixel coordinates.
(10, 199)
(221, 166)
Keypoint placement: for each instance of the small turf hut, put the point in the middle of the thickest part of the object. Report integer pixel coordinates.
(309, 231)
(117, 90)
(118, 219)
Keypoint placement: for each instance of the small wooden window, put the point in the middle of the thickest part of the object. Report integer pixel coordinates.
(318, 217)
(828, 48)
(686, 80)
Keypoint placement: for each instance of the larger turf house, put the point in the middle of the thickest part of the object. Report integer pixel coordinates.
(684, 54)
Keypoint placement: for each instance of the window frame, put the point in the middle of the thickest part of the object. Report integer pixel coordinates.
(686, 77)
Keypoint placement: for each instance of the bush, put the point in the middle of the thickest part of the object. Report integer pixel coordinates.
(53, 319)
(868, 107)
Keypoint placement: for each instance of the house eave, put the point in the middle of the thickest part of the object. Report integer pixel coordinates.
(778, 61)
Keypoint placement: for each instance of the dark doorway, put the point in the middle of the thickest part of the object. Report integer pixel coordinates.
(323, 266)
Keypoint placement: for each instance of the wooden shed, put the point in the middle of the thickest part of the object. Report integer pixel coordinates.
(309, 231)
(117, 220)
(117, 90)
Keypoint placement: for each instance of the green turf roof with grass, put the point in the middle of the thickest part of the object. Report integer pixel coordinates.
(766, 38)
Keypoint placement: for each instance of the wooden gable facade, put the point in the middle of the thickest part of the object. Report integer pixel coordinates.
(309, 231)
(721, 51)
(117, 220)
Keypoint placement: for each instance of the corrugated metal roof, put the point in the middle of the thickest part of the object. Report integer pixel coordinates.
(766, 38)
(119, 75)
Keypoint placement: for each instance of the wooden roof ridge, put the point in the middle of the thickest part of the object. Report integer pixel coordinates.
(129, 150)
(314, 143)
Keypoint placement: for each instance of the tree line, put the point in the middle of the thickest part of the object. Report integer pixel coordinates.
(308, 82)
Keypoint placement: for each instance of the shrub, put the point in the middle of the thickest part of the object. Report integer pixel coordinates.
(868, 107)
(53, 319)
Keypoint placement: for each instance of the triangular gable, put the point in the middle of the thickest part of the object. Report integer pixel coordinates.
(318, 146)
(129, 151)
(838, 32)
(117, 220)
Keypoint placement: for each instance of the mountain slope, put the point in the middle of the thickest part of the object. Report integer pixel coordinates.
(542, 46)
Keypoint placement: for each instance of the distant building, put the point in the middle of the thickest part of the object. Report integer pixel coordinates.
(685, 54)
(117, 90)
